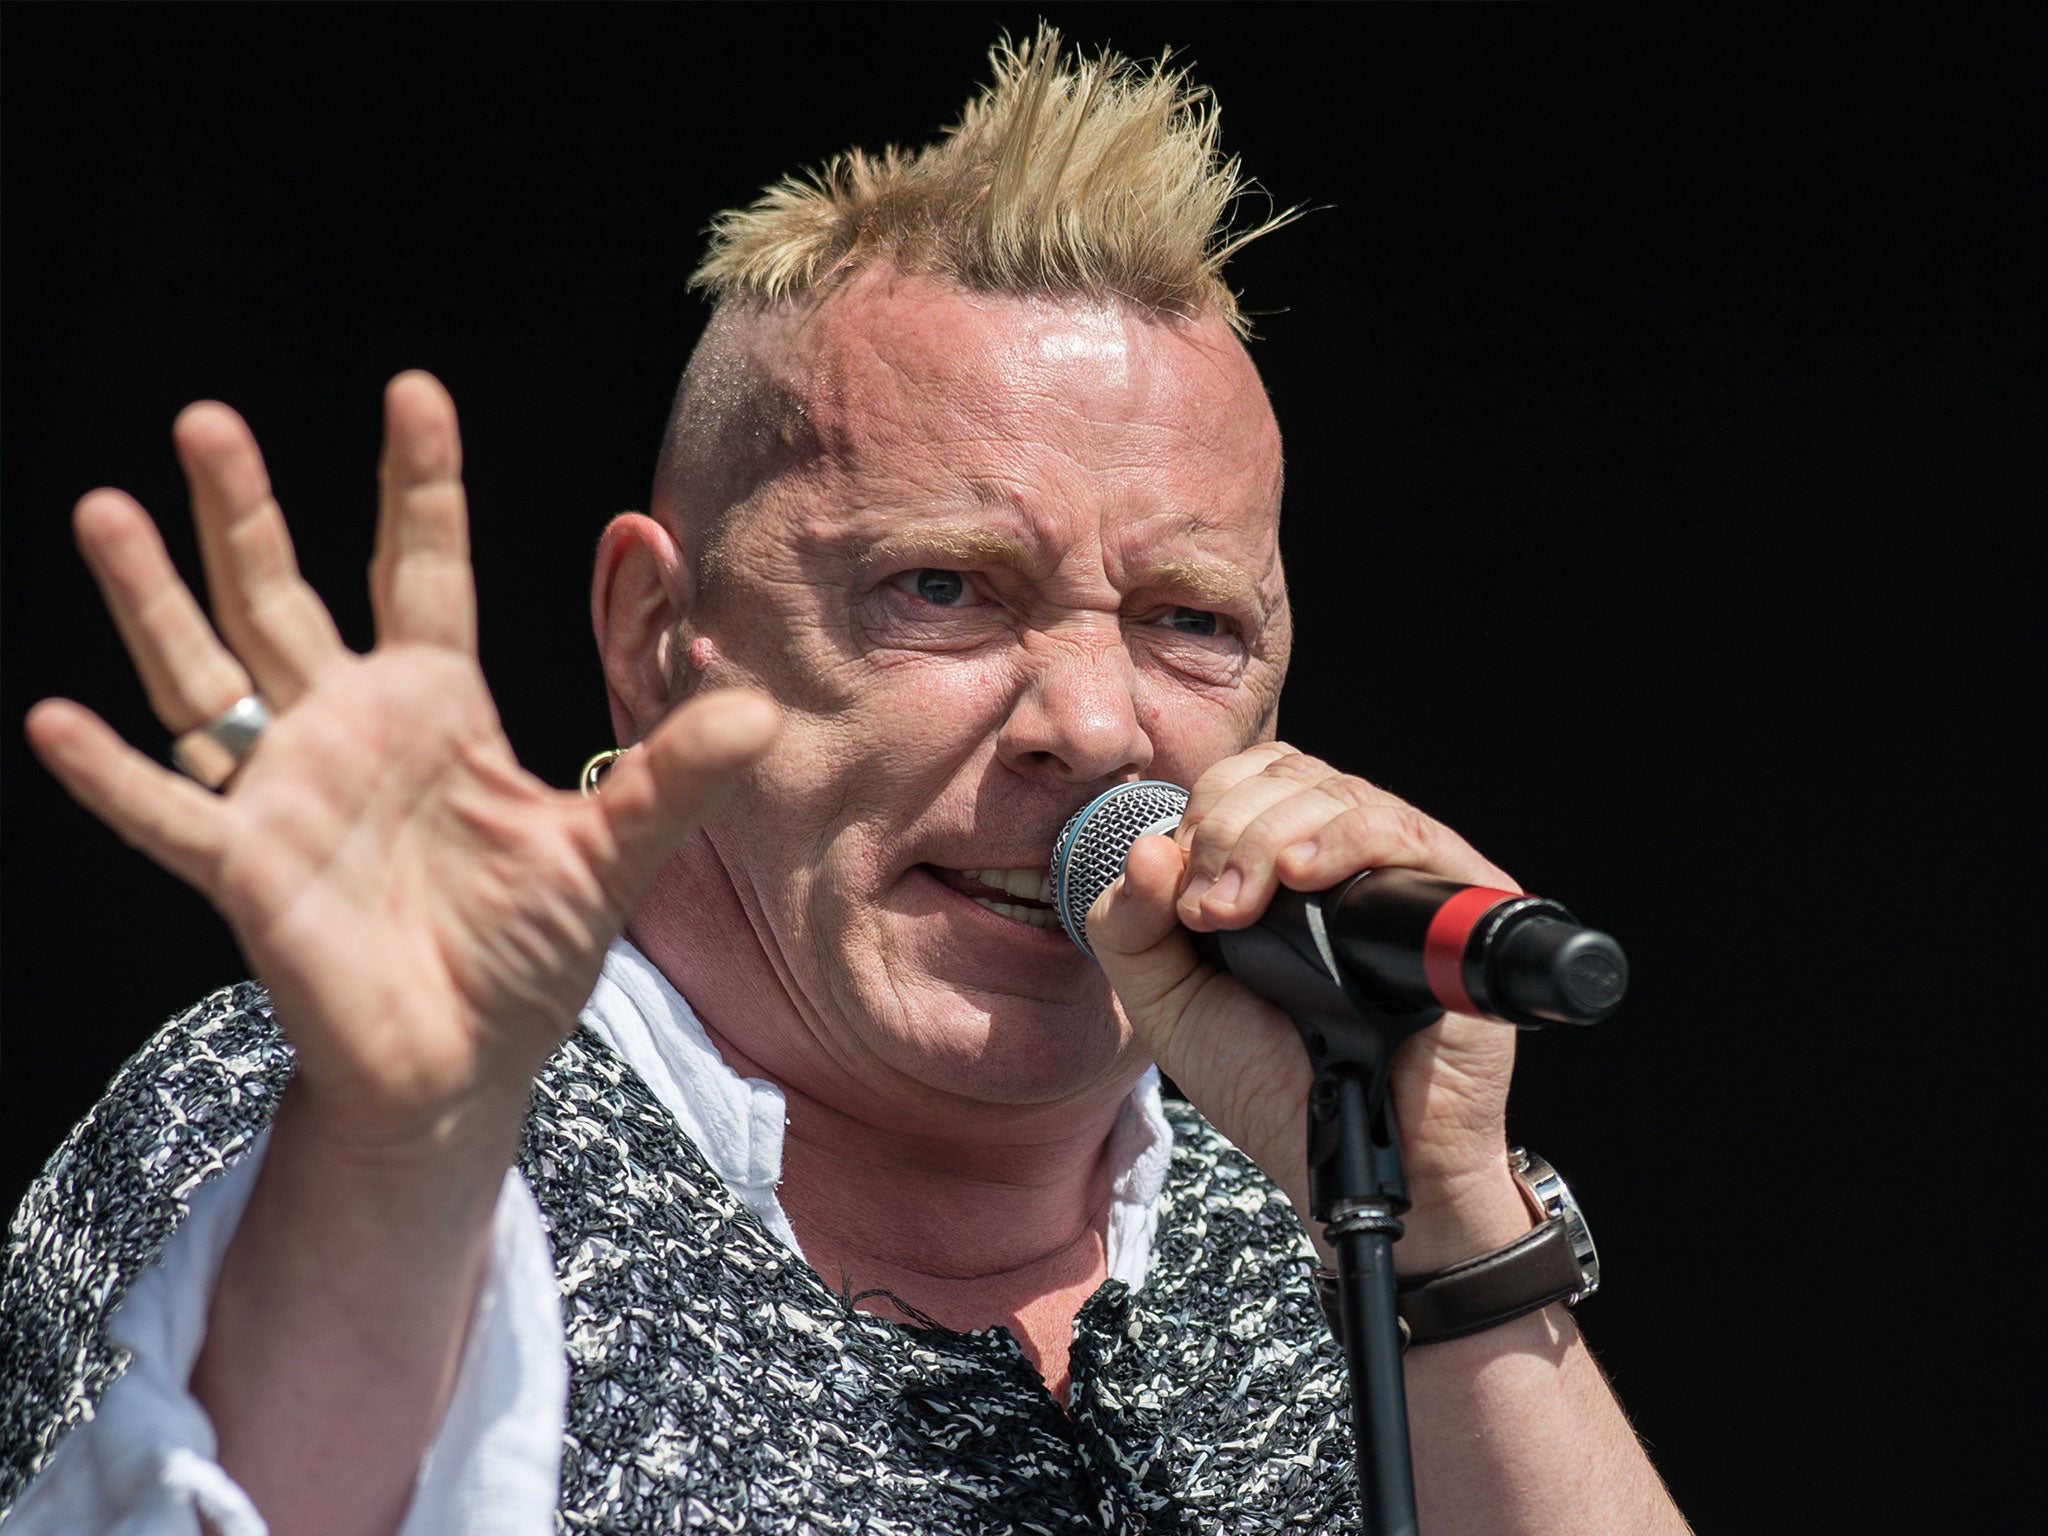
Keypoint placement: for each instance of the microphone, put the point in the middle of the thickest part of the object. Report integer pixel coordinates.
(1406, 940)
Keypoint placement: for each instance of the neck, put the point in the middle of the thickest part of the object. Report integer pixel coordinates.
(982, 1216)
(1001, 1231)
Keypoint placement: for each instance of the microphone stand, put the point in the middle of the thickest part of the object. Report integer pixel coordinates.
(1357, 1187)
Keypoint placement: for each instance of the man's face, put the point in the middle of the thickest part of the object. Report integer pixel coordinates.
(1027, 549)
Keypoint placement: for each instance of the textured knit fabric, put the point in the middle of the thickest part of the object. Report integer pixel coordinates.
(715, 1382)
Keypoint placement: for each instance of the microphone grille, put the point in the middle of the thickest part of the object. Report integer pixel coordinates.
(1091, 848)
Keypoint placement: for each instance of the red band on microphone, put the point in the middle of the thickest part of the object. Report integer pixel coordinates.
(1443, 947)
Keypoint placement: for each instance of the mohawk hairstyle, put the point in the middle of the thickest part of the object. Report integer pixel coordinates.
(1076, 175)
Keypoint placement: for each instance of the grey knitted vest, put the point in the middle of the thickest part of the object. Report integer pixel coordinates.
(715, 1382)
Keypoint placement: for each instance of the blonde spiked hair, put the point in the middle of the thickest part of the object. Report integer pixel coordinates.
(1093, 176)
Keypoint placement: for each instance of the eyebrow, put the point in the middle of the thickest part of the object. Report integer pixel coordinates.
(1206, 581)
(959, 541)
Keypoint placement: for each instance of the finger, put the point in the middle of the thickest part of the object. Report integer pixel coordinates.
(659, 793)
(1231, 850)
(422, 588)
(1232, 871)
(1227, 798)
(262, 607)
(168, 817)
(1219, 779)
(189, 675)
(1316, 839)
(1136, 936)
(1386, 835)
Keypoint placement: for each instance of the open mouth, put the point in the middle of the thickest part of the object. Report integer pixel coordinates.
(1021, 895)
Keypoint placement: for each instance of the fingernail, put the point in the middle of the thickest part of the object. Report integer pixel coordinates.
(1197, 884)
(1224, 891)
(1300, 853)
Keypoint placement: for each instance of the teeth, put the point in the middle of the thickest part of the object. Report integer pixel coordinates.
(1033, 884)
(1036, 917)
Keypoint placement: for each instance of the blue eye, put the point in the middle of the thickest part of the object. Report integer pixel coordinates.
(943, 589)
(1191, 621)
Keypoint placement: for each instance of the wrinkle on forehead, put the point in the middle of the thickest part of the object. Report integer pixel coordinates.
(775, 390)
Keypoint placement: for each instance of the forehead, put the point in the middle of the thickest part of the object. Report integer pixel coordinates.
(916, 395)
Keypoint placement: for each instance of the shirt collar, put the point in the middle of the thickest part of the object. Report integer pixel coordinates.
(737, 1122)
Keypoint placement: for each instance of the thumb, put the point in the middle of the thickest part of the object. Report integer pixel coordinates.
(660, 792)
(1142, 948)
(1235, 1056)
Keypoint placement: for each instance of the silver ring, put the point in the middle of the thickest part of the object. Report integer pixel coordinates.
(213, 752)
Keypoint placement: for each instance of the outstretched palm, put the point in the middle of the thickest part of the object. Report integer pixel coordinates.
(427, 915)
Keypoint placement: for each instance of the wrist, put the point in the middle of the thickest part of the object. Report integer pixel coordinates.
(434, 1172)
(1450, 1221)
(1447, 1221)
(1553, 1260)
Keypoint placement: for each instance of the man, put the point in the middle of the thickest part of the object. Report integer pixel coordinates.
(968, 509)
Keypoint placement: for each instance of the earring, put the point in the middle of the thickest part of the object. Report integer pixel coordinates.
(594, 770)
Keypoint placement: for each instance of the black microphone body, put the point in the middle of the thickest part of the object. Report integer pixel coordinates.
(1406, 940)
(1410, 940)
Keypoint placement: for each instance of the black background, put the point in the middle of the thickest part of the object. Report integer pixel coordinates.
(1652, 385)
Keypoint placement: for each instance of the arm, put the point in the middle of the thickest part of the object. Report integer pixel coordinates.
(1512, 1429)
(427, 916)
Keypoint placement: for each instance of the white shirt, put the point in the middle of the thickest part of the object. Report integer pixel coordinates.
(144, 1464)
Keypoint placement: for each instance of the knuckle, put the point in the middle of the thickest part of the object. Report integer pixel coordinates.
(1211, 849)
(1413, 831)
(1382, 834)
(1266, 834)
(1219, 778)
(1220, 833)
(1356, 792)
(1299, 768)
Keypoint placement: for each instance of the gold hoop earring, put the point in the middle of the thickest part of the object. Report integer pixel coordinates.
(594, 770)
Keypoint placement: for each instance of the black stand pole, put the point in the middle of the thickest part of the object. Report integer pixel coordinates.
(1362, 1228)
(1356, 1184)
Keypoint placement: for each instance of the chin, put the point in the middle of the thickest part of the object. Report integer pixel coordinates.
(1023, 1054)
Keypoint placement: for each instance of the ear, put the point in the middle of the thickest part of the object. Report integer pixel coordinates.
(639, 597)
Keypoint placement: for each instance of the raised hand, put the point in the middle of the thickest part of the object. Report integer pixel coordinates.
(429, 919)
(1255, 822)
(427, 916)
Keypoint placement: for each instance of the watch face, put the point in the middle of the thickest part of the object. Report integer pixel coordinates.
(1553, 1198)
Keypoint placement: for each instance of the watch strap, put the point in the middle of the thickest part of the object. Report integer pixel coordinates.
(1479, 1293)
(1530, 1273)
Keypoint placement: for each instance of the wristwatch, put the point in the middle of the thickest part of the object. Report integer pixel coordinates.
(1550, 1198)
(1555, 1261)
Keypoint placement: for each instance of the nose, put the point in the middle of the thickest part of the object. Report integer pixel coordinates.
(1076, 715)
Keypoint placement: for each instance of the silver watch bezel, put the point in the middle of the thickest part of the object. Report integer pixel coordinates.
(1550, 1197)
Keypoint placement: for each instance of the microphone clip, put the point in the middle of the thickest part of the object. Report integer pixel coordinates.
(1354, 1148)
